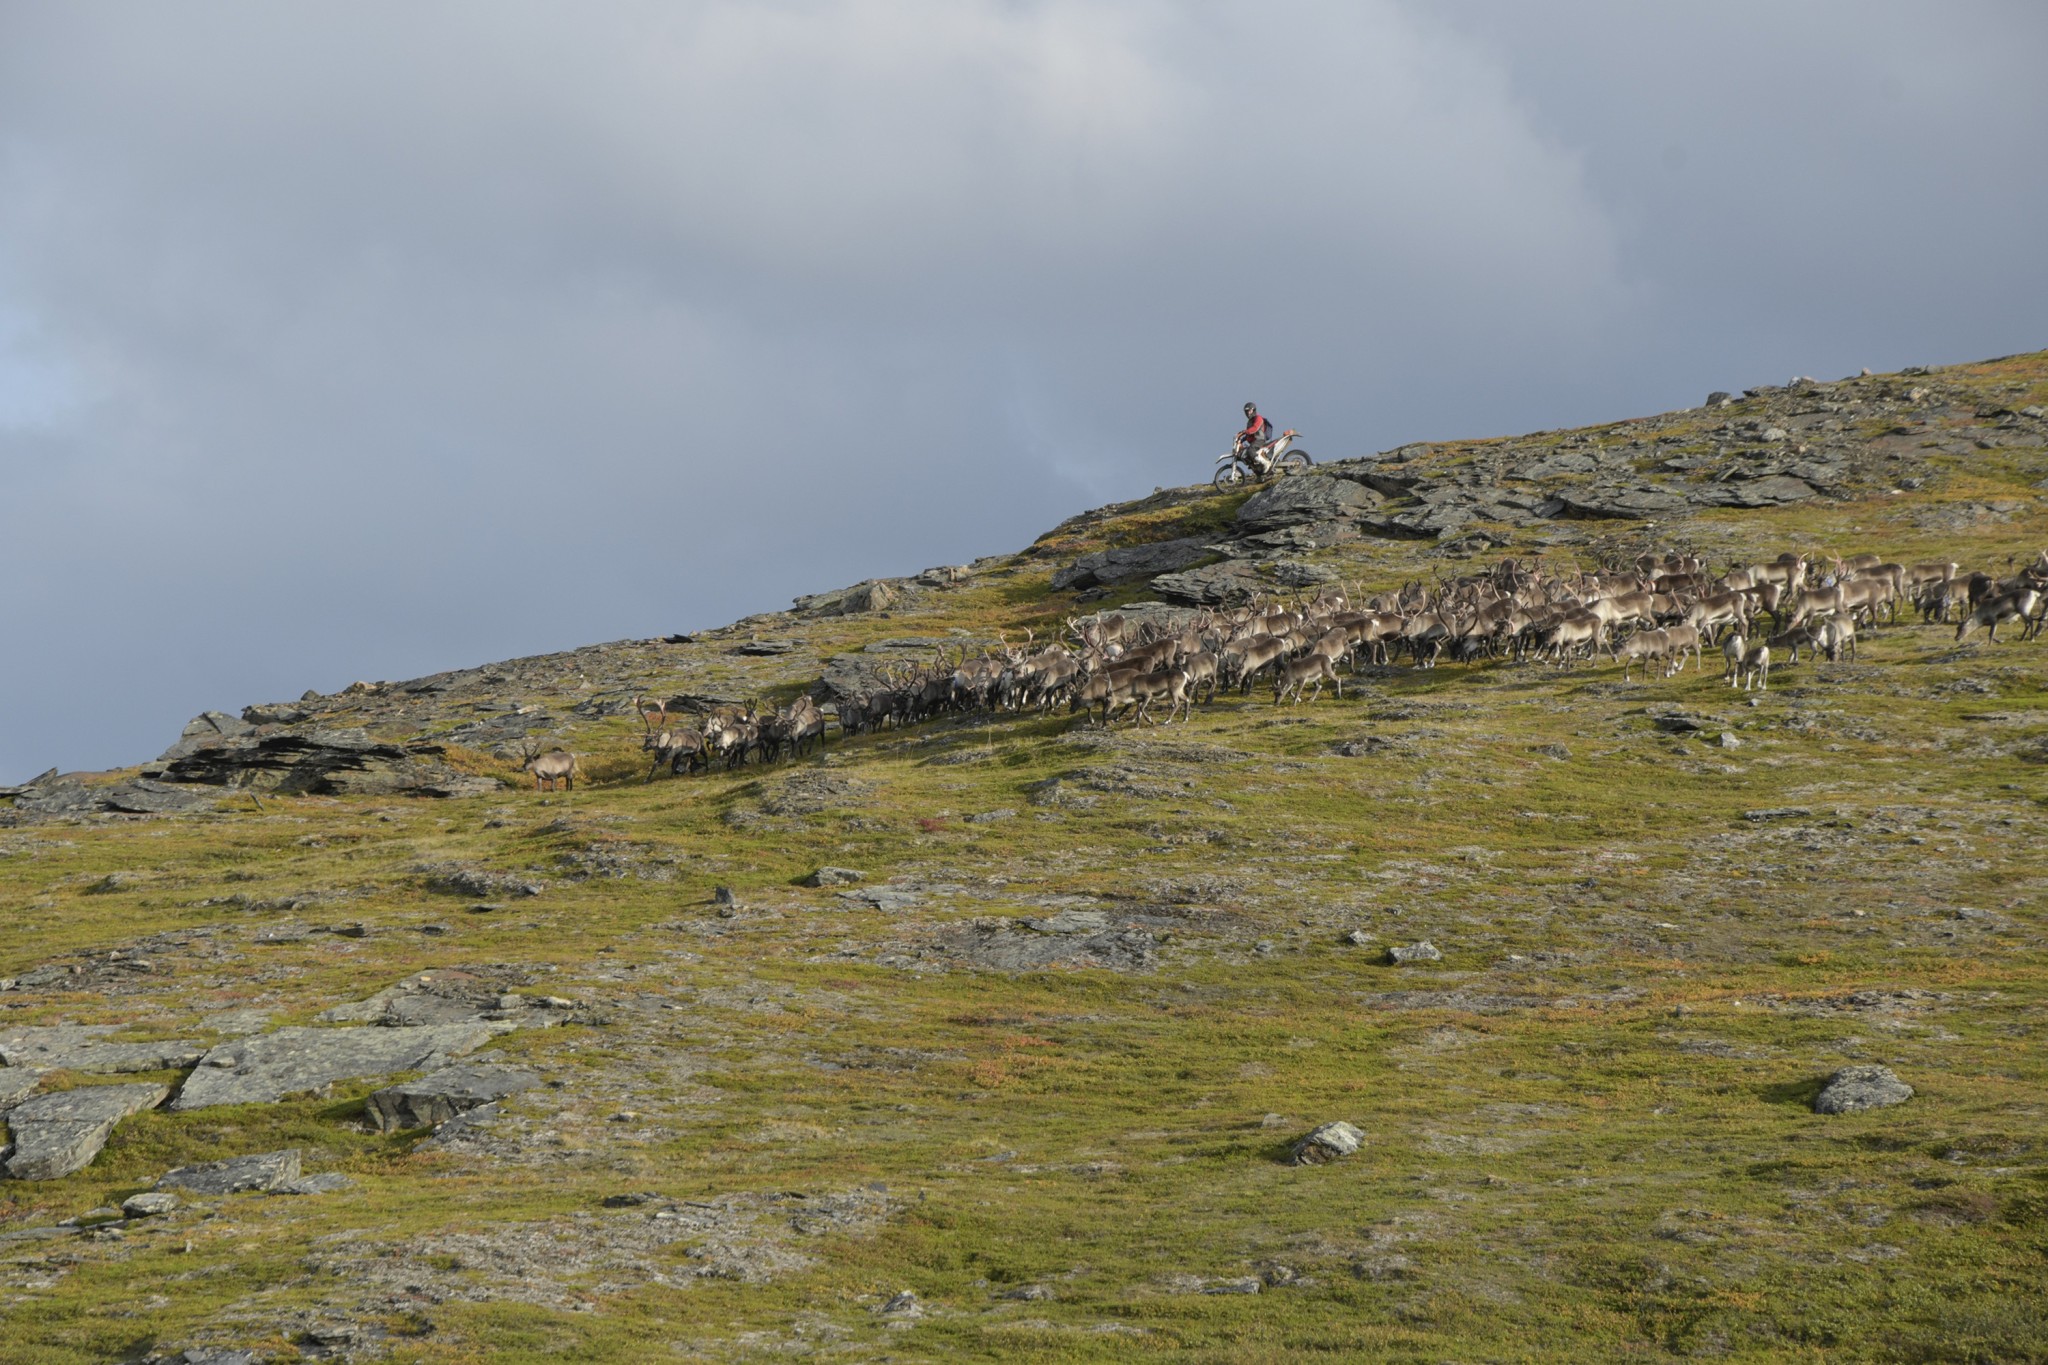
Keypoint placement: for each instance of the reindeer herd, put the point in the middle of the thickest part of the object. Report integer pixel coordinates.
(1659, 613)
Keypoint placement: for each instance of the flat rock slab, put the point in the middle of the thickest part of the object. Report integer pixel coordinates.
(236, 1175)
(292, 1060)
(435, 1099)
(55, 1135)
(1855, 1088)
(15, 1084)
(883, 899)
(81, 1047)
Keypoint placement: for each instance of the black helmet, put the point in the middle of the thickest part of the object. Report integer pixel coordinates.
(1250, 409)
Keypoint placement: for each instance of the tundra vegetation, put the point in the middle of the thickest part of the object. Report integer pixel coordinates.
(867, 999)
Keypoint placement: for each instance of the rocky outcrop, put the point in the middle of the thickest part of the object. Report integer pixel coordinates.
(53, 795)
(875, 594)
(434, 1099)
(1306, 498)
(57, 1134)
(344, 762)
(1128, 562)
(294, 1060)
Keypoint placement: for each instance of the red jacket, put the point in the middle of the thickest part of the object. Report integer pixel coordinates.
(1258, 433)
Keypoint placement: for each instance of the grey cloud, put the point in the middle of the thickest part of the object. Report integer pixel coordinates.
(368, 340)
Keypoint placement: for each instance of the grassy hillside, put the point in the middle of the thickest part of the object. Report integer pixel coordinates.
(1588, 1126)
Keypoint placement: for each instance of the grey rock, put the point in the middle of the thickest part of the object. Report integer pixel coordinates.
(1029, 1293)
(149, 1204)
(1728, 741)
(1328, 1143)
(140, 796)
(1777, 813)
(235, 1175)
(213, 1355)
(293, 1060)
(1293, 573)
(15, 1085)
(436, 1098)
(279, 712)
(1305, 498)
(1628, 504)
(1358, 938)
(1214, 585)
(1001, 946)
(875, 594)
(327, 1182)
(1680, 723)
(1244, 1284)
(902, 1304)
(990, 817)
(80, 1047)
(1127, 562)
(1069, 922)
(1425, 951)
(884, 899)
(457, 880)
(835, 876)
(324, 762)
(1855, 1088)
(208, 729)
(57, 1134)
(443, 997)
(1771, 491)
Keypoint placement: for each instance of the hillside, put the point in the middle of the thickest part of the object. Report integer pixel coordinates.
(996, 1035)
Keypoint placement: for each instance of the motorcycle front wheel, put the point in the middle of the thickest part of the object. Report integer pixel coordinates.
(1230, 476)
(1296, 459)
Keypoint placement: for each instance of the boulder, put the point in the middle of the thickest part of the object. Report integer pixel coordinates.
(1856, 1088)
(293, 1060)
(1305, 498)
(436, 1098)
(876, 594)
(1129, 562)
(57, 1134)
(1330, 1142)
(236, 1175)
(149, 1204)
(835, 876)
(1425, 951)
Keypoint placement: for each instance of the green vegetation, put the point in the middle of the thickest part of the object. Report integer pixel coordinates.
(1588, 1127)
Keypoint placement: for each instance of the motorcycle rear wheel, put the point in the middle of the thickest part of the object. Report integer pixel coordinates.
(1296, 459)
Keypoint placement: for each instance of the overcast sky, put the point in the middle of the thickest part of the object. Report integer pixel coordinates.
(367, 340)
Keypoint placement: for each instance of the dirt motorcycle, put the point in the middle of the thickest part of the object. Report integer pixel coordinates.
(1246, 461)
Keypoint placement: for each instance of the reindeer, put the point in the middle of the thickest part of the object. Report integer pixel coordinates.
(1756, 668)
(2014, 604)
(1294, 673)
(683, 750)
(556, 765)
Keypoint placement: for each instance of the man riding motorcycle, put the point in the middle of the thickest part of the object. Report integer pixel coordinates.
(1257, 430)
(1259, 451)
